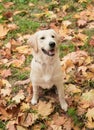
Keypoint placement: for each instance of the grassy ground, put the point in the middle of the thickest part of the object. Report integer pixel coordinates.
(33, 15)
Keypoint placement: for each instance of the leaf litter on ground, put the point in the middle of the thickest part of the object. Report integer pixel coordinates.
(70, 22)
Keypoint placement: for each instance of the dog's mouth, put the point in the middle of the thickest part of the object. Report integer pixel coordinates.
(50, 52)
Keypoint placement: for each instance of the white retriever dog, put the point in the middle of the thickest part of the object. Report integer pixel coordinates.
(45, 66)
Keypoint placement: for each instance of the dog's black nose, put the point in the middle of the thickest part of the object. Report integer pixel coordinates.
(52, 44)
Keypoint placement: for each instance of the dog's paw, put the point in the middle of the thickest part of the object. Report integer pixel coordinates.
(64, 106)
(33, 101)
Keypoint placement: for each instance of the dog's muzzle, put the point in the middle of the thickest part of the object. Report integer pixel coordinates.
(51, 51)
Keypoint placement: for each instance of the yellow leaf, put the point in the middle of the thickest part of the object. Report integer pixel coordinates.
(65, 7)
(24, 106)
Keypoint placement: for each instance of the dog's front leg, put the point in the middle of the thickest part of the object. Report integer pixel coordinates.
(35, 95)
(63, 103)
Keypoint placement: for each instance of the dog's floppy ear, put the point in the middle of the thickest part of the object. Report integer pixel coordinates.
(33, 42)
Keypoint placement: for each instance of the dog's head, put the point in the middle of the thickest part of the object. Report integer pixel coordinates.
(44, 41)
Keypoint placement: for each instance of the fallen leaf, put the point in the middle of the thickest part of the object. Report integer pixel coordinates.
(17, 62)
(59, 120)
(73, 89)
(92, 41)
(8, 14)
(6, 91)
(3, 31)
(81, 23)
(12, 26)
(19, 12)
(78, 57)
(20, 128)
(86, 100)
(55, 127)
(6, 83)
(20, 96)
(90, 118)
(8, 4)
(27, 119)
(81, 1)
(11, 125)
(4, 114)
(45, 109)
(24, 106)
(91, 68)
(6, 73)
(22, 82)
(24, 49)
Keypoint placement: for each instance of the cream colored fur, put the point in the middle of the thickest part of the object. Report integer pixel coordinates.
(45, 69)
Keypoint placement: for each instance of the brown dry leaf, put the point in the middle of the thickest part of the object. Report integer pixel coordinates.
(81, 23)
(11, 125)
(6, 73)
(8, 4)
(8, 15)
(91, 68)
(3, 31)
(17, 62)
(92, 41)
(55, 127)
(12, 26)
(22, 82)
(78, 57)
(31, 4)
(27, 119)
(67, 65)
(81, 1)
(6, 83)
(19, 12)
(24, 49)
(3, 114)
(45, 109)
(20, 96)
(59, 120)
(82, 37)
(21, 128)
(90, 118)
(73, 89)
(68, 125)
(6, 91)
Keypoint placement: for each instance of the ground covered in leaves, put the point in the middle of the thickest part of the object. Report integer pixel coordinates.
(73, 20)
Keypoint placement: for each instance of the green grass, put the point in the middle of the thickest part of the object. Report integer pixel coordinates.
(2, 125)
(20, 74)
(73, 114)
(66, 48)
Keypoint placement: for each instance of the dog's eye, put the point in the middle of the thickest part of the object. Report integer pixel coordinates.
(42, 38)
(53, 36)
